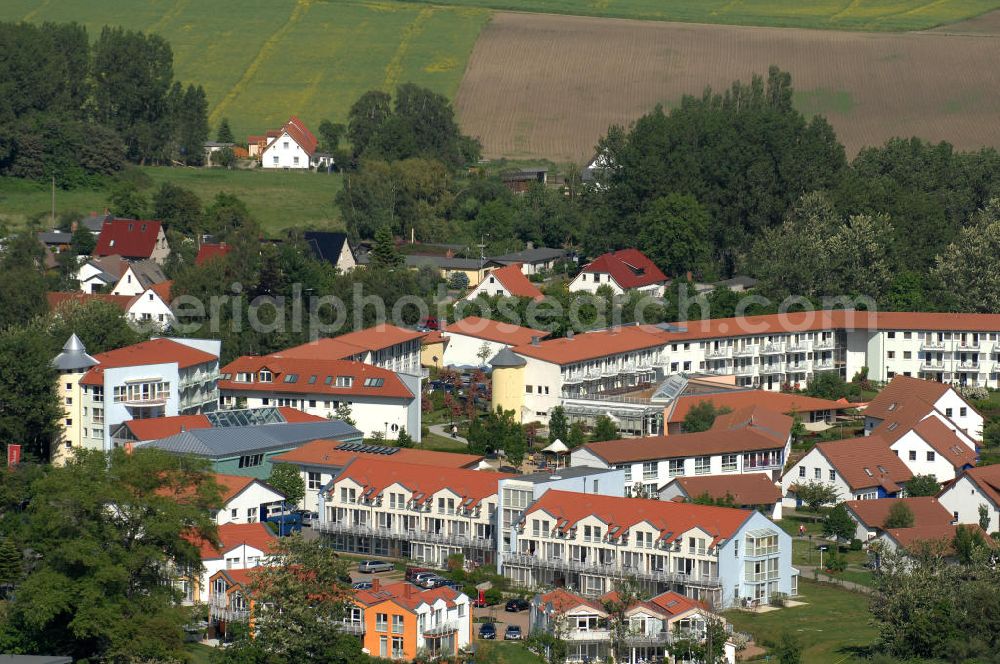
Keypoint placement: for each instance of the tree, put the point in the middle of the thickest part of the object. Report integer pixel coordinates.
(178, 208)
(498, 431)
(11, 565)
(900, 516)
(827, 385)
(458, 281)
(815, 494)
(366, 118)
(604, 429)
(228, 219)
(330, 135)
(29, 405)
(191, 121)
(286, 478)
(343, 413)
(484, 353)
(967, 270)
(922, 485)
(984, 518)
(839, 524)
(627, 592)
(577, 435)
(127, 201)
(384, 253)
(706, 499)
(701, 416)
(991, 433)
(967, 540)
(798, 430)
(558, 425)
(224, 134)
(675, 235)
(789, 649)
(403, 439)
(83, 242)
(299, 602)
(106, 530)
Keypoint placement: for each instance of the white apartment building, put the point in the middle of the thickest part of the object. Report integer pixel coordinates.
(586, 542)
(767, 352)
(385, 346)
(156, 378)
(403, 510)
(750, 440)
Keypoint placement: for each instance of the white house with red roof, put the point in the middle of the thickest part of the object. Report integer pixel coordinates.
(585, 542)
(623, 270)
(507, 281)
(241, 546)
(474, 340)
(133, 240)
(155, 378)
(977, 487)
(293, 147)
(905, 401)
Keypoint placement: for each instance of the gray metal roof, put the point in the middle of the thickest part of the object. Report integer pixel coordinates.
(232, 441)
(55, 237)
(73, 356)
(444, 262)
(507, 358)
(530, 255)
(563, 473)
(148, 272)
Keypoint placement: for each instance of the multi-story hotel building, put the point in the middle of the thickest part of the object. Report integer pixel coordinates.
(767, 352)
(585, 542)
(403, 510)
(157, 378)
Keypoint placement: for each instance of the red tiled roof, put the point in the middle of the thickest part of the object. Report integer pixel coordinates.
(353, 343)
(518, 285)
(609, 342)
(375, 474)
(325, 453)
(238, 577)
(746, 489)
(127, 237)
(676, 604)
(714, 441)
(865, 463)
(672, 519)
(943, 533)
(484, 328)
(630, 268)
(296, 415)
(314, 377)
(232, 485)
(405, 595)
(987, 478)
(780, 402)
(57, 300)
(562, 601)
(232, 535)
(154, 428)
(766, 422)
(901, 391)
(155, 351)
(209, 251)
(927, 511)
(298, 132)
(944, 441)
(162, 290)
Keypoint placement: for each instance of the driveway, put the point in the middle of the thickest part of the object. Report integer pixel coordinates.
(501, 619)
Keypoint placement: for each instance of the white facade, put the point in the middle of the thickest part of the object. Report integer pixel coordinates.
(963, 357)
(465, 350)
(242, 556)
(92, 279)
(244, 507)
(589, 282)
(128, 284)
(490, 286)
(148, 308)
(963, 499)
(285, 153)
(954, 411)
(814, 467)
(922, 459)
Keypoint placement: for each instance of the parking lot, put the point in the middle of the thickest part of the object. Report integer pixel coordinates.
(501, 618)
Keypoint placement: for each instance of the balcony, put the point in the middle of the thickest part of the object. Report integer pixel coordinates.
(405, 535)
(967, 344)
(219, 608)
(930, 344)
(820, 365)
(746, 370)
(824, 344)
(654, 639)
(744, 351)
(798, 366)
(717, 352)
(969, 366)
(144, 402)
(772, 349)
(771, 369)
(927, 365)
(797, 347)
(353, 627)
(441, 629)
(588, 635)
(527, 560)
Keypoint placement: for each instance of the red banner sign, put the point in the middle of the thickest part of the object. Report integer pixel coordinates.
(13, 455)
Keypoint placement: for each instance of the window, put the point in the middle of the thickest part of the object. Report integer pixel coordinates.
(729, 462)
(947, 412)
(251, 460)
(69, 401)
(528, 389)
(930, 456)
(291, 378)
(802, 471)
(285, 145)
(234, 513)
(312, 380)
(274, 159)
(383, 646)
(891, 354)
(374, 382)
(649, 470)
(232, 562)
(312, 403)
(295, 160)
(397, 627)
(963, 411)
(381, 622)
(907, 355)
(628, 474)
(345, 381)
(818, 473)
(69, 422)
(913, 455)
(833, 475)
(702, 465)
(251, 514)
(69, 386)
(314, 481)
(397, 647)
(892, 335)
(675, 467)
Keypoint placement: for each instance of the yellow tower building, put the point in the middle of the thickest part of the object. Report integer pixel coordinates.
(72, 363)
(508, 382)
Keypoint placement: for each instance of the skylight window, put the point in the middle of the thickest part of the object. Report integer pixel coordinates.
(374, 382)
(329, 380)
(868, 472)
(291, 378)
(312, 379)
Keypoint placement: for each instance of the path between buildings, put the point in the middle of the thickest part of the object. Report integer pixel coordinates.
(444, 430)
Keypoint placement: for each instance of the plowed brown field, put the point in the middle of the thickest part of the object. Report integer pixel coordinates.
(549, 86)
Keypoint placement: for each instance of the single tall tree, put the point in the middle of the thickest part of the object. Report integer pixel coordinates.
(224, 134)
(604, 429)
(287, 479)
(701, 416)
(839, 524)
(558, 426)
(900, 516)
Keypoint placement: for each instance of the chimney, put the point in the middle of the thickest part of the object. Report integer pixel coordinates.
(534, 341)
(569, 334)
(689, 275)
(183, 428)
(408, 589)
(376, 585)
(530, 245)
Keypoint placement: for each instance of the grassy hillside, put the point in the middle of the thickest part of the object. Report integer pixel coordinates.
(263, 60)
(277, 199)
(876, 15)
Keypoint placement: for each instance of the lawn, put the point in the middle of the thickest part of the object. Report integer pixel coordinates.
(261, 61)
(876, 15)
(277, 199)
(832, 627)
(432, 441)
(499, 652)
(200, 654)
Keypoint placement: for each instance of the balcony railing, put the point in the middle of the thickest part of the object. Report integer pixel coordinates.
(771, 369)
(353, 627)
(147, 402)
(772, 349)
(823, 344)
(440, 629)
(591, 635)
(717, 352)
(655, 638)
(823, 364)
(969, 365)
(405, 535)
(746, 370)
(744, 351)
(931, 345)
(597, 569)
(932, 366)
(968, 345)
(797, 347)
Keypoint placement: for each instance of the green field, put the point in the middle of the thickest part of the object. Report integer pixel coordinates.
(832, 626)
(875, 15)
(261, 61)
(276, 199)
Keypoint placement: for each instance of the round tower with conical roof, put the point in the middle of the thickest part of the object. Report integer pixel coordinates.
(72, 363)
(508, 381)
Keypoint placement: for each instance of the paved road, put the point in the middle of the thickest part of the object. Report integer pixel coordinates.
(445, 431)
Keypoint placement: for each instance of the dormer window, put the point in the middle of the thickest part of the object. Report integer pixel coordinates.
(345, 381)
(265, 376)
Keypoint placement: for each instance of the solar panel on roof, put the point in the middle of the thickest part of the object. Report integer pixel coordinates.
(393, 450)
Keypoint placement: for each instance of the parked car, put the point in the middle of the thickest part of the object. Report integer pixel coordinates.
(422, 578)
(362, 585)
(512, 633)
(454, 585)
(372, 566)
(517, 604)
(308, 518)
(432, 581)
(488, 631)
(412, 572)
